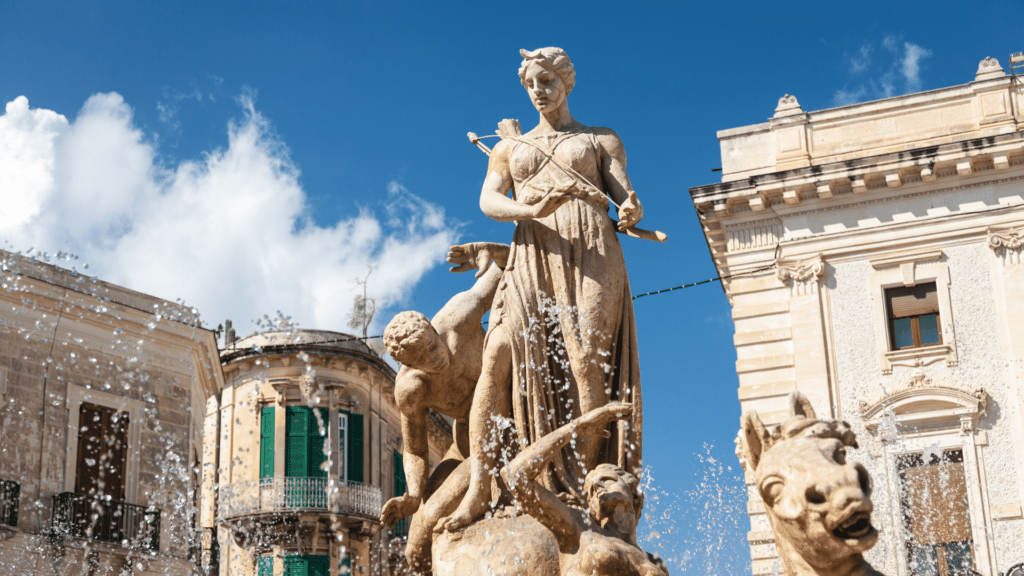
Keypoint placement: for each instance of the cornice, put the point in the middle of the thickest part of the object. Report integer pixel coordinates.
(891, 170)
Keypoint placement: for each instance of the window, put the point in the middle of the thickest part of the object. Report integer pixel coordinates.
(304, 442)
(402, 527)
(265, 566)
(343, 450)
(307, 566)
(913, 314)
(102, 451)
(267, 431)
(305, 432)
(353, 449)
(936, 514)
(76, 465)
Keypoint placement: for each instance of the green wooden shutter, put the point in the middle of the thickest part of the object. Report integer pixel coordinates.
(265, 566)
(315, 451)
(399, 469)
(267, 442)
(345, 566)
(296, 566)
(307, 565)
(296, 454)
(318, 565)
(355, 447)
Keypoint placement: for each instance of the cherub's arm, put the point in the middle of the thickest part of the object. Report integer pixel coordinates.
(409, 392)
(473, 303)
(539, 502)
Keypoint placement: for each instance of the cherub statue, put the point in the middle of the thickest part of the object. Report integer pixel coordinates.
(601, 539)
(819, 504)
(441, 362)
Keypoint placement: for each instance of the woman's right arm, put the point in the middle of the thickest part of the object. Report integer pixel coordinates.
(494, 200)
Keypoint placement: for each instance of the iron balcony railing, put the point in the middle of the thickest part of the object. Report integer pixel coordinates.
(298, 494)
(121, 523)
(9, 492)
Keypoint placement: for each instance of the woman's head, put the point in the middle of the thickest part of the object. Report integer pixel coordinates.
(554, 59)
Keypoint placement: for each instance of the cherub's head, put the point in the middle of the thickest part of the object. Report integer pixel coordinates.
(614, 498)
(413, 341)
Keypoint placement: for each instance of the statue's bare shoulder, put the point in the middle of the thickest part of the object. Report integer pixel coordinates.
(609, 141)
(412, 389)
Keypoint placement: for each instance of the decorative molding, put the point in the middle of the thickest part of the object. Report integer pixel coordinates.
(759, 235)
(918, 402)
(920, 357)
(1007, 245)
(802, 278)
(906, 257)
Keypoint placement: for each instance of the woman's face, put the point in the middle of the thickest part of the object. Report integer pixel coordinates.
(546, 90)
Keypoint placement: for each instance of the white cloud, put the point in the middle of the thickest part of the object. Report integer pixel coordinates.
(912, 56)
(861, 60)
(881, 78)
(230, 233)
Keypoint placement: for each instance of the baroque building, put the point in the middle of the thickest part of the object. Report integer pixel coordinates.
(871, 255)
(102, 396)
(302, 447)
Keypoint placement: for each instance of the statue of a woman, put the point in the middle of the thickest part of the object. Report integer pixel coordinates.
(562, 336)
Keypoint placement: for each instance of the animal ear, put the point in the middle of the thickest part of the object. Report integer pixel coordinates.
(799, 405)
(753, 439)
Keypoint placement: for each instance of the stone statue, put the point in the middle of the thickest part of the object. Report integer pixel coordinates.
(561, 340)
(601, 539)
(595, 536)
(819, 504)
(441, 360)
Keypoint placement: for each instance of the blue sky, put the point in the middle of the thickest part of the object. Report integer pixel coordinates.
(247, 157)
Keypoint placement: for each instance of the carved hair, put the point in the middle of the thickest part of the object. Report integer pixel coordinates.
(554, 59)
(407, 330)
(630, 480)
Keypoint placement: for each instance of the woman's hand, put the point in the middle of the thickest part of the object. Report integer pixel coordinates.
(551, 201)
(630, 212)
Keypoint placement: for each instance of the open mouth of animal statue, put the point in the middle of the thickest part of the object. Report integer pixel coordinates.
(855, 527)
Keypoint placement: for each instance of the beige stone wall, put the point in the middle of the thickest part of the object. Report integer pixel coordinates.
(65, 339)
(817, 214)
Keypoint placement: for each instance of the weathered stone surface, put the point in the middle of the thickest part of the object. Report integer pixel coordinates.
(505, 545)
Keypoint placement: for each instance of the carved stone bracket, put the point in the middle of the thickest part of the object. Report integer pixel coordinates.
(802, 278)
(1007, 244)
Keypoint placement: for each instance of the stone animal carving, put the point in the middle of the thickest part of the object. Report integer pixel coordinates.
(819, 504)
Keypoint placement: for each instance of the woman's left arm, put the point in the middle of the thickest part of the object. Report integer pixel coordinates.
(616, 179)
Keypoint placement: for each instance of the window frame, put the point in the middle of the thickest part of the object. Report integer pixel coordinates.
(945, 439)
(915, 460)
(915, 321)
(904, 270)
(106, 419)
(76, 395)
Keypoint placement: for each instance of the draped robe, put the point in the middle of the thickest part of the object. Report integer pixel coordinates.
(564, 300)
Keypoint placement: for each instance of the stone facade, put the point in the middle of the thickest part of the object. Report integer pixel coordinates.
(71, 343)
(820, 217)
(267, 500)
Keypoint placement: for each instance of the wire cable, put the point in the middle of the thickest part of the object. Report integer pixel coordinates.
(690, 285)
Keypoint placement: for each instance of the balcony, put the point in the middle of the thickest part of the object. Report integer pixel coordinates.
(9, 492)
(111, 521)
(293, 495)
